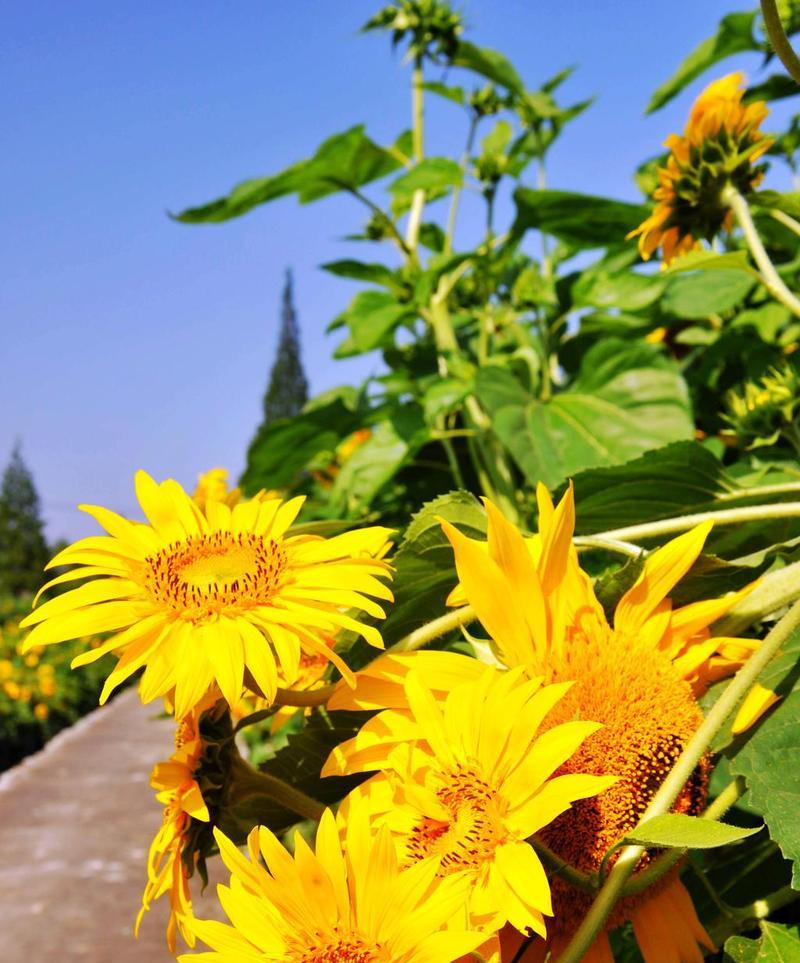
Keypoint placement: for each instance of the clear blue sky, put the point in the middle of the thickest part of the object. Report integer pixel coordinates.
(131, 341)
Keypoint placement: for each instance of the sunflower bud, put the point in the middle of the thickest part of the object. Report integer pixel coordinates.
(765, 410)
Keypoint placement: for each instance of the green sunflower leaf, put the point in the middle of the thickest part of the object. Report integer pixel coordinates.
(625, 400)
(734, 34)
(424, 567)
(344, 161)
(679, 831)
(583, 220)
(490, 64)
(778, 943)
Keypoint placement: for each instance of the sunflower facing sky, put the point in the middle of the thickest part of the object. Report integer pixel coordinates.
(639, 676)
(720, 146)
(464, 782)
(347, 901)
(202, 595)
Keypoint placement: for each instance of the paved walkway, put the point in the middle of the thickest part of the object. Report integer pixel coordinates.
(76, 821)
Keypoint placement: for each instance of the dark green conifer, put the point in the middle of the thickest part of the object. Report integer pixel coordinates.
(288, 388)
(23, 549)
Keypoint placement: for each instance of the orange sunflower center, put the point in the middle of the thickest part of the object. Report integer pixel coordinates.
(206, 575)
(343, 951)
(471, 834)
(648, 713)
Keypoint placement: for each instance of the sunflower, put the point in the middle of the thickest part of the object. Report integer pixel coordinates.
(212, 485)
(639, 675)
(170, 852)
(351, 903)
(199, 596)
(719, 146)
(465, 782)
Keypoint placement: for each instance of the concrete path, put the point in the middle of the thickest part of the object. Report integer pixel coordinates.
(76, 821)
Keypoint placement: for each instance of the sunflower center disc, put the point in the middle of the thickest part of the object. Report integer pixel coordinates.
(471, 834)
(212, 574)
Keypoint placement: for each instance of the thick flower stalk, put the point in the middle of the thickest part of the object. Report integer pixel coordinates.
(212, 595)
(465, 781)
(719, 147)
(347, 901)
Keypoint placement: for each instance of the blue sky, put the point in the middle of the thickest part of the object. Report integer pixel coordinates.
(131, 341)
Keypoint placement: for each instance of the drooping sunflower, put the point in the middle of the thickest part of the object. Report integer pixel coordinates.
(342, 903)
(639, 675)
(464, 782)
(719, 146)
(169, 857)
(199, 596)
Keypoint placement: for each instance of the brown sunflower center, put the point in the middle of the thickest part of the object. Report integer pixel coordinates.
(648, 713)
(472, 830)
(206, 575)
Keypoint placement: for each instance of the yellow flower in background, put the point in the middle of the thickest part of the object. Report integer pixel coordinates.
(6, 669)
(338, 903)
(177, 789)
(212, 486)
(199, 596)
(12, 690)
(41, 711)
(719, 146)
(639, 676)
(464, 783)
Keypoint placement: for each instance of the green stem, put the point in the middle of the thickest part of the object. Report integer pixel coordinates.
(609, 545)
(303, 698)
(246, 785)
(434, 629)
(454, 200)
(452, 458)
(759, 490)
(779, 40)
(762, 908)
(290, 798)
(671, 788)
(783, 218)
(726, 516)
(585, 882)
(417, 133)
(397, 237)
(773, 592)
(771, 279)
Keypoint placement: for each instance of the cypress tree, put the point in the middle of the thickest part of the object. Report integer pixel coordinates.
(288, 388)
(23, 549)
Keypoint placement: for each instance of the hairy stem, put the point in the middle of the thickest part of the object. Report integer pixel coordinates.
(434, 629)
(609, 545)
(787, 220)
(779, 40)
(417, 133)
(726, 516)
(670, 789)
(450, 231)
(771, 279)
